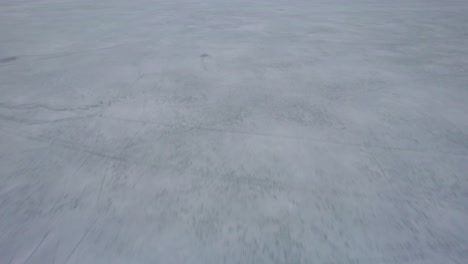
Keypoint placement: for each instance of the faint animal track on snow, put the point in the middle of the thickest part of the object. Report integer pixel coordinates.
(203, 57)
(8, 59)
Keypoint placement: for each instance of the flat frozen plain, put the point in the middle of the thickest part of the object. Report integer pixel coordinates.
(216, 131)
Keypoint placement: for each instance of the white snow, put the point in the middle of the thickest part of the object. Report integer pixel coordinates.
(216, 131)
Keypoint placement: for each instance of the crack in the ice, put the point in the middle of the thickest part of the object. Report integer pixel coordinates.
(41, 121)
(37, 246)
(79, 112)
(81, 240)
(48, 107)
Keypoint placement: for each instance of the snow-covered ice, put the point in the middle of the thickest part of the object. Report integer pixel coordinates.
(233, 131)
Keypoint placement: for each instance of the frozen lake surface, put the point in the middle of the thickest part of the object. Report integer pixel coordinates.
(216, 131)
